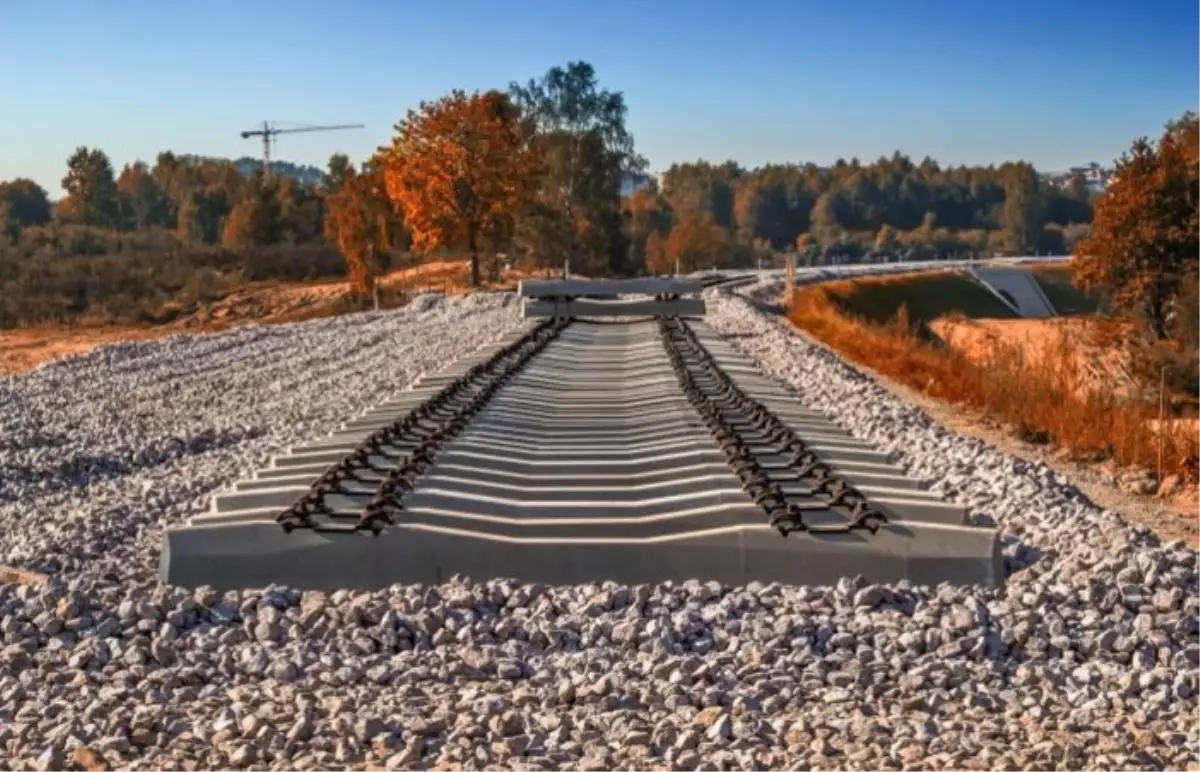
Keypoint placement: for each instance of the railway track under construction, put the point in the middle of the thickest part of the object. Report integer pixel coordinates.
(605, 439)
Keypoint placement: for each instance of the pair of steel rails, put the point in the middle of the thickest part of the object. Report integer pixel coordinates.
(609, 438)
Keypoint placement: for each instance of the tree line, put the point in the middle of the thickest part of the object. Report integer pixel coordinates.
(883, 205)
(199, 200)
(535, 172)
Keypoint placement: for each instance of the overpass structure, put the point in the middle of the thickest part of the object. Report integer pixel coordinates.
(1016, 287)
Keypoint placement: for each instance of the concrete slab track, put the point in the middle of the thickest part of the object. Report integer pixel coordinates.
(589, 465)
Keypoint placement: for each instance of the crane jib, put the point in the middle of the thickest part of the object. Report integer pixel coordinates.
(268, 131)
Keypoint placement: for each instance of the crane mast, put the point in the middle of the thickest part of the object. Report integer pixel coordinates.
(269, 132)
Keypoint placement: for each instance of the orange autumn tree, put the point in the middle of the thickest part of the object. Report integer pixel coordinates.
(1186, 129)
(458, 169)
(648, 220)
(360, 220)
(696, 243)
(1142, 248)
(658, 262)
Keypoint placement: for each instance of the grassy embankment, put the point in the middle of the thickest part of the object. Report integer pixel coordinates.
(890, 324)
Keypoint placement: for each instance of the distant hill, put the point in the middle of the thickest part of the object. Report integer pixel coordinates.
(312, 175)
(303, 173)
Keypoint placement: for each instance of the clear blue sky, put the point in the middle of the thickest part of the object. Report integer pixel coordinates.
(965, 81)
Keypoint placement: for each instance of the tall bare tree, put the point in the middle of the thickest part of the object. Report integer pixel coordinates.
(585, 152)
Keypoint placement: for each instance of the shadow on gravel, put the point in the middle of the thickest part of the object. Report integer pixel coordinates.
(987, 521)
(773, 309)
(33, 442)
(1019, 556)
(83, 469)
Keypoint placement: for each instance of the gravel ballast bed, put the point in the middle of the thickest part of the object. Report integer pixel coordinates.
(97, 450)
(1087, 658)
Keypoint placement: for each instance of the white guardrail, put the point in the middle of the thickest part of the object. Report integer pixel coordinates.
(856, 269)
(771, 280)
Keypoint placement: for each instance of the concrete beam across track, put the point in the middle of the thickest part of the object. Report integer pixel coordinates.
(589, 465)
(538, 288)
(580, 307)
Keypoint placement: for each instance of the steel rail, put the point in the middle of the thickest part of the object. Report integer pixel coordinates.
(715, 396)
(424, 430)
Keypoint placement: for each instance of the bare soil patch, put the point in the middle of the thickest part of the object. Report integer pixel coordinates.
(22, 350)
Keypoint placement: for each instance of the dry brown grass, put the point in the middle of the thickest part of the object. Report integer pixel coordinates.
(1038, 396)
(1046, 342)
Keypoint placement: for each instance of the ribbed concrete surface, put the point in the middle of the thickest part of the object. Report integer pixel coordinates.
(590, 465)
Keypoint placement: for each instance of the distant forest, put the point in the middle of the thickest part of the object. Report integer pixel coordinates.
(888, 205)
(850, 208)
